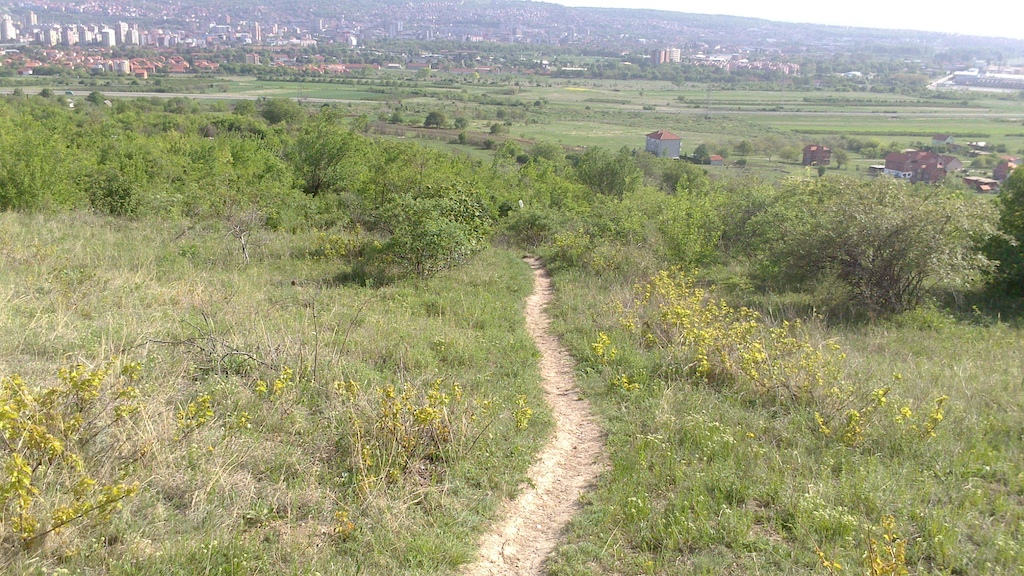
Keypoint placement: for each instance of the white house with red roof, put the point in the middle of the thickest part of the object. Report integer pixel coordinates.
(663, 144)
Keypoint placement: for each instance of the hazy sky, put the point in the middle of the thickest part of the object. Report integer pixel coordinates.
(1003, 18)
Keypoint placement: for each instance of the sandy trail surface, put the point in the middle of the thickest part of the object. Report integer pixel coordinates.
(532, 524)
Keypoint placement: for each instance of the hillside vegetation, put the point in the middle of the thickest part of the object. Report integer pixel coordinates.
(263, 341)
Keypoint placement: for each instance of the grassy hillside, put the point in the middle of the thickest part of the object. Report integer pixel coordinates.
(288, 422)
(712, 476)
(266, 341)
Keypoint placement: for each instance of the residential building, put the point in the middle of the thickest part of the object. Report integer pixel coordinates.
(984, 185)
(121, 33)
(951, 163)
(916, 166)
(817, 155)
(663, 144)
(1003, 170)
(716, 160)
(7, 29)
(942, 140)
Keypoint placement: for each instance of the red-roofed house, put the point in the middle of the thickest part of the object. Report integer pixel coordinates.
(951, 163)
(1003, 170)
(817, 155)
(916, 166)
(663, 144)
(984, 185)
(716, 160)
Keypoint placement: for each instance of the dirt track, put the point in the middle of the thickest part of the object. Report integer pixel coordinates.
(532, 524)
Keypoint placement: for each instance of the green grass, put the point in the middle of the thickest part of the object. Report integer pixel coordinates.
(715, 480)
(266, 496)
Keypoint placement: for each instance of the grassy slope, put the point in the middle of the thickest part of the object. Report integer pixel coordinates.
(707, 481)
(271, 497)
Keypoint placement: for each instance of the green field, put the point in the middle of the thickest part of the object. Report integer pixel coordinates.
(615, 114)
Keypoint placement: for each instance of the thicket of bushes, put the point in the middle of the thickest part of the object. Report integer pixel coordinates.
(401, 207)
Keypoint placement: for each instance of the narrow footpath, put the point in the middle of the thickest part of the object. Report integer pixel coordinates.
(568, 465)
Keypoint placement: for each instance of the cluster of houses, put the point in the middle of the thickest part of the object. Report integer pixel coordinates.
(913, 165)
(99, 62)
(931, 167)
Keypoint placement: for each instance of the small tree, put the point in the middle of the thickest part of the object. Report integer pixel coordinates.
(1009, 250)
(461, 123)
(278, 110)
(789, 153)
(95, 98)
(435, 119)
(840, 157)
(245, 108)
(883, 240)
(701, 155)
(608, 174)
(744, 148)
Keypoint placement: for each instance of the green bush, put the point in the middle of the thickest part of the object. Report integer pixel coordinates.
(885, 241)
(1009, 250)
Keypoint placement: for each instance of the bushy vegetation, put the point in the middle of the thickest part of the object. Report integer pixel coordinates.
(1007, 250)
(288, 346)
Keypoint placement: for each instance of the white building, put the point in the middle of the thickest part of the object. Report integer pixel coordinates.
(7, 29)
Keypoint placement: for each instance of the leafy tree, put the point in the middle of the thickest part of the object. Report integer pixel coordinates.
(883, 240)
(789, 153)
(46, 93)
(245, 108)
(327, 157)
(769, 146)
(95, 98)
(435, 232)
(701, 155)
(497, 128)
(278, 110)
(840, 157)
(396, 117)
(510, 149)
(744, 148)
(435, 119)
(684, 177)
(461, 123)
(1008, 250)
(550, 151)
(612, 175)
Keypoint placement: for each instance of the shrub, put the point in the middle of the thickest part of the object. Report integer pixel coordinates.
(60, 448)
(435, 120)
(883, 240)
(434, 233)
(1009, 249)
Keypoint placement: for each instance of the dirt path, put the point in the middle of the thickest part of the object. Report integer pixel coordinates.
(569, 464)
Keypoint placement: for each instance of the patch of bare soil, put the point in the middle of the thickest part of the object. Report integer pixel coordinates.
(568, 465)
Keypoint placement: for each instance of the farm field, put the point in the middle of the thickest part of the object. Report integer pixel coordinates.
(615, 114)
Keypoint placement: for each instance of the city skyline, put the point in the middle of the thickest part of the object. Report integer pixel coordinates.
(994, 20)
